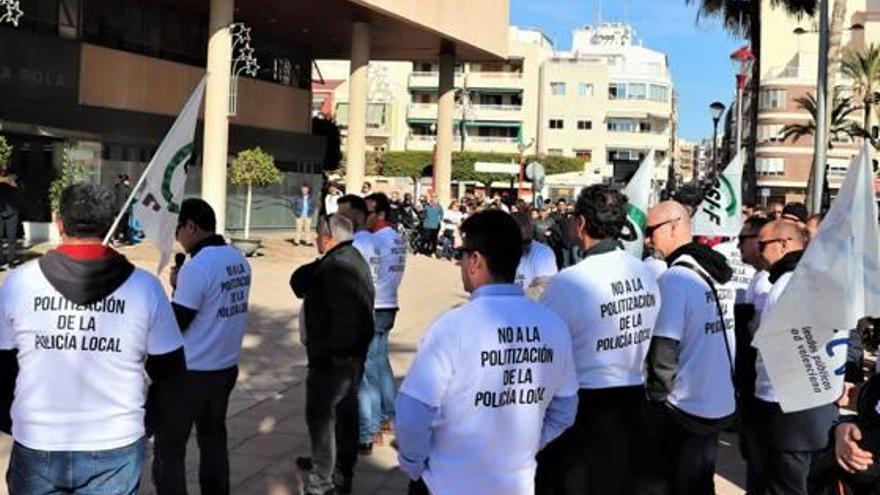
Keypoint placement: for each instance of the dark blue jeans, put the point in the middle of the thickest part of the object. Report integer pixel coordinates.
(377, 390)
(103, 472)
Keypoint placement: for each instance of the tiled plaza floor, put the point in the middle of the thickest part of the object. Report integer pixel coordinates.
(266, 413)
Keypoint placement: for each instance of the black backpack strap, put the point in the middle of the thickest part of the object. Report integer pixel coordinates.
(711, 284)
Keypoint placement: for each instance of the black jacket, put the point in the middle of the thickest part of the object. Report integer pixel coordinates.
(799, 431)
(339, 295)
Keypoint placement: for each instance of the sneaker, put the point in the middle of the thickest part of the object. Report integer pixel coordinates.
(365, 448)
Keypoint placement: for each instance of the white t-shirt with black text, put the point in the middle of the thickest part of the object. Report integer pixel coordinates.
(81, 384)
(743, 273)
(538, 261)
(389, 258)
(756, 295)
(491, 366)
(763, 387)
(609, 302)
(215, 283)
(364, 243)
(703, 384)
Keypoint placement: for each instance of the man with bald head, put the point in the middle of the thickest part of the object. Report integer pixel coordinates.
(783, 446)
(538, 262)
(690, 361)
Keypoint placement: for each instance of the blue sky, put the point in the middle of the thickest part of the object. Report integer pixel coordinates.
(698, 52)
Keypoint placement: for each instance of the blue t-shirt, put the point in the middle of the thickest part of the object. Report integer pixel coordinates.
(433, 217)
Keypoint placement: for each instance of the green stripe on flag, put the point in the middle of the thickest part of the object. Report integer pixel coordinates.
(732, 207)
(637, 217)
(179, 158)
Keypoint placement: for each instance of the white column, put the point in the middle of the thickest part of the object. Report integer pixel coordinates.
(215, 144)
(356, 142)
(445, 121)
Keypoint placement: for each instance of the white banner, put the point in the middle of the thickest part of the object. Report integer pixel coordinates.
(803, 340)
(742, 273)
(157, 201)
(639, 190)
(720, 213)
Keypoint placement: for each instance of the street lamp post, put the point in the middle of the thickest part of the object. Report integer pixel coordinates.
(741, 60)
(820, 143)
(716, 110)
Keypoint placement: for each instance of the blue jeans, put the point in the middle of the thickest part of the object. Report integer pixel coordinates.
(102, 472)
(377, 390)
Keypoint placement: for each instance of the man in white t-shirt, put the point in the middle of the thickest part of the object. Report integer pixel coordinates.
(78, 328)
(690, 362)
(609, 302)
(354, 208)
(493, 380)
(210, 301)
(387, 260)
(538, 262)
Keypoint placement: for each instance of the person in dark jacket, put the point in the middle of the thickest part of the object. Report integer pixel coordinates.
(786, 445)
(339, 295)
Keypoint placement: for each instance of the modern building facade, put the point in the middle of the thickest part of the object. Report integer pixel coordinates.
(789, 65)
(609, 101)
(105, 79)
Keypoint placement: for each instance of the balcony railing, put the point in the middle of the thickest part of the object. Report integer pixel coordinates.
(491, 139)
(423, 138)
(497, 108)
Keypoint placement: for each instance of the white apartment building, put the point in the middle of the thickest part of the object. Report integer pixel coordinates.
(608, 101)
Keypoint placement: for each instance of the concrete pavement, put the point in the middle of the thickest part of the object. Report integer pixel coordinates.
(266, 413)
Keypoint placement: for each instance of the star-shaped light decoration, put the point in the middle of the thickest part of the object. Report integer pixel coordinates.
(11, 12)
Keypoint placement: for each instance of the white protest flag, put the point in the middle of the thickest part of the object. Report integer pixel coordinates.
(159, 191)
(639, 191)
(720, 213)
(803, 340)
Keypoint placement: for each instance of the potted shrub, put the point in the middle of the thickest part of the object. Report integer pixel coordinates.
(252, 168)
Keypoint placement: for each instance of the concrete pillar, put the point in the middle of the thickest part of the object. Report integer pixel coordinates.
(356, 142)
(216, 138)
(445, 122)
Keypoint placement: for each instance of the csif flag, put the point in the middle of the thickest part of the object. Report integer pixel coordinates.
(803, 339)
(157, 196)
(639, 191)
(720, 213)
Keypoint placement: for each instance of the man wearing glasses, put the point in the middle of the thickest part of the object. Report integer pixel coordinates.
(690, 362)
(785, 444)
(210, 302)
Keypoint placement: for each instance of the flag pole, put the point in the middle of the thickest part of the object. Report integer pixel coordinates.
(140, 181)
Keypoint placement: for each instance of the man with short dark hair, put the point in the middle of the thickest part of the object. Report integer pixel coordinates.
(473, 411)
(78, 329)
(609, 301)
(303, 210)
(538, 263)
(433, 217)
(210, 301)
(387, 260)
(338, 306)
(774, 209)
(796, 213)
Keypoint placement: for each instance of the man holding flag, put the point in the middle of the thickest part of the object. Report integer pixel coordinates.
(803, 337)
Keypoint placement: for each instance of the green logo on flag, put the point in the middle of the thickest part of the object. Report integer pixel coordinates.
(732, 207)
(180, 158)
(636, 220)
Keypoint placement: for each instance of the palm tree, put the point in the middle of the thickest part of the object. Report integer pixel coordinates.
(743, 18)
(842, 123)
(864, 70)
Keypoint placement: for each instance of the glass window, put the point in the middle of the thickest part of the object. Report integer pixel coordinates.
(770, 166)
(636, 91)
(617, 91)
(554, 152)
(622, 125)
(585, 125)
(557, 88)
(772, 99)
(556, 124)
(585, 155)
(585, 89)
(659, 93)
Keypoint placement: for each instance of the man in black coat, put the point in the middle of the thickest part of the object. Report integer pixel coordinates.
(338, 325)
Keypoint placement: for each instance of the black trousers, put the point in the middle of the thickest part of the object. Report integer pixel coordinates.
(418, 488)
(204, 403)
(777, 472)
(332, 419)
(9, 236)
(431, 235)
(603, 452)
